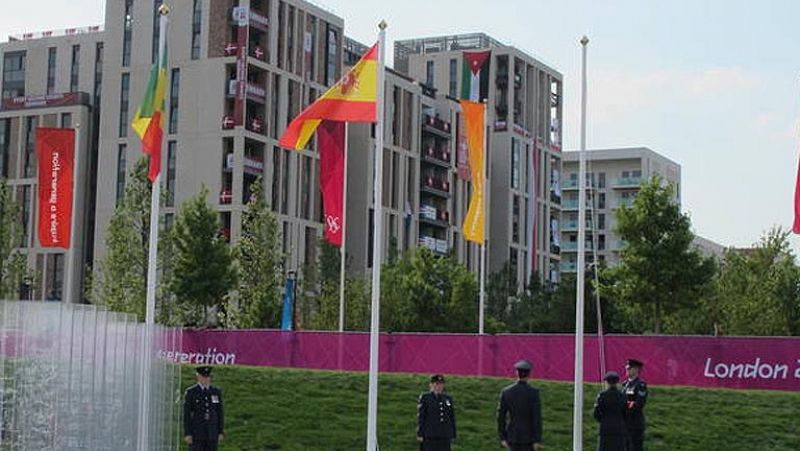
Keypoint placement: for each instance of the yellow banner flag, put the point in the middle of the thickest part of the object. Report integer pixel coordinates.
(473, 113)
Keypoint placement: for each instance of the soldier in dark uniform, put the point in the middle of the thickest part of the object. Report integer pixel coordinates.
(436, 417)
(609, 410)
(635, 391)
(203, 417)
(519, 414)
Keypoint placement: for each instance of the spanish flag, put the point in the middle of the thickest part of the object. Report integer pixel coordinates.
(148, 122)
(352, 99)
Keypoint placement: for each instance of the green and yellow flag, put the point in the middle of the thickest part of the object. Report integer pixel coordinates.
(148, 122)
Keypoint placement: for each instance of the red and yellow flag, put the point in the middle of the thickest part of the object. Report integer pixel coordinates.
(352, 99)
(474, 120)
(148, 122)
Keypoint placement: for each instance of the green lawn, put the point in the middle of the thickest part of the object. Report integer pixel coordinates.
(279, 409)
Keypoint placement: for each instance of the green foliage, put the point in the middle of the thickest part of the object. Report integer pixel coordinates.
(13, 268)
(120, 282)
(257, 302)
(203, 270)
(426, 292)
(758, 289)
(324, 302)
(324, 410)
(659, 274)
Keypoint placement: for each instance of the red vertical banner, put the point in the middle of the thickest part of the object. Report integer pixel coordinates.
(55, 151)
(241, 15)
(330, 138)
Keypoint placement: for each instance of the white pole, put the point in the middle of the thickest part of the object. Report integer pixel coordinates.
(343, 249)
(150, 308)
(377, 250)
(482, 307)
(77, 180)
(577, 413)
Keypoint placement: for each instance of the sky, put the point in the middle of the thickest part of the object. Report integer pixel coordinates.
(713, 85)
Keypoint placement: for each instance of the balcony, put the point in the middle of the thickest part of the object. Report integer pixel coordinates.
(430, 215)
(569, 267)
(436, 186)
(440, 157)
(625, 203)
(225, 197)
(572, 246)
(569, 226)
(434, 244)
(437, 125)
(628, 182)
(255, 124)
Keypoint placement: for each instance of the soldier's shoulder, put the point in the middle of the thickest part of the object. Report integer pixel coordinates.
(424, 395)
(215, 389)
(191, 388)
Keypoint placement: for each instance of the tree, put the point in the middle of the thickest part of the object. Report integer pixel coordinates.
(659, 272)
(120, 282)
(13, 268)
(257, 303)
(425, 292)
(758, 289)
(203, 269)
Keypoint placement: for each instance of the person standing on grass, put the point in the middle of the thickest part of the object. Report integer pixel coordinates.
(519, 413)
(203, 417)
(609, 411)
(635, 391)
(436, 417)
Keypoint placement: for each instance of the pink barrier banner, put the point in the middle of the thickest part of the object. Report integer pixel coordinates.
(730, 362)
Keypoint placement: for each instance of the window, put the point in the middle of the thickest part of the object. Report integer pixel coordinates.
(156, 28)
(123, 105)
(30, 146)
(285, 182)
(121, 170)
(601, 201)
(601, 221)
(429, 73)
(197, 23)
(174, 93)
(625, 174)
(514, 163)
(25, 211)
(98, 76)
(275, 99)
(276, 178)
(127, 34)
(51, 70)
(172, 148)
(5, 134)
(601, 242)
(601, 180)
(75, 68)
(453, 78)
(290, 65)
(14, 74)
(636, 174)
(310, 47)
(66, 120)
(332, 61)
(515, 219)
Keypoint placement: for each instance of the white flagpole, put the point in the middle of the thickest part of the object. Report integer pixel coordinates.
(577, 413)
(377, 250)
(343, 249)
(482, 307)
(69, 288)
(150, 307)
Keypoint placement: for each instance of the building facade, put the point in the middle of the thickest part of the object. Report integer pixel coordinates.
(51, 79)
(524, 98)
(614, 177)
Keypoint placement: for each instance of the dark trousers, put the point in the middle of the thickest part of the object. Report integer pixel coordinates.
(203, 445)
(435, 445)
(636, 440)
(521, 446)
(611, 443)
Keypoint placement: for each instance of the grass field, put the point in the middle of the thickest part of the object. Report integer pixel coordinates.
(279, 409)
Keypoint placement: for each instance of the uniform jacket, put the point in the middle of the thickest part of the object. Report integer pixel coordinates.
(436, 416)
(521, 403)
(609, 410)
(635, 392)
(203, 416)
